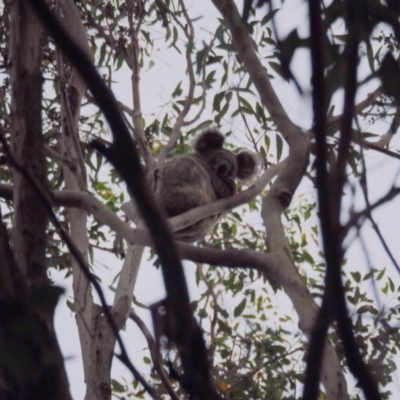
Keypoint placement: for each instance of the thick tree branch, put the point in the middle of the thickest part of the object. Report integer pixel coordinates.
(220, 206)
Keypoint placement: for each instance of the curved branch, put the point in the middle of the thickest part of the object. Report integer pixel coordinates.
(203, 87)
(154, 354)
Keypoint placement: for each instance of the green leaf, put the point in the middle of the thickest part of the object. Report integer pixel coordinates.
(118, 60)
(391, 284)
(370, 56)
(146, 360)
(240, 308)
(279, 147)
(269, 16)
(178, 90)
(225, 328)
(200, 59)
(380, 275)
(174, 37)
(219, 34)
(202, 313)
(225, 76)
(267, 141)
(103, 52)
(277, 68)
(356, 276)
(217, 101)
(71, 305)
(116, 386)
(210, 79)
(246, 105)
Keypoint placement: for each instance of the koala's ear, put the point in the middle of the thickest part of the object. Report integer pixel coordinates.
(210, 139)
(247, 165)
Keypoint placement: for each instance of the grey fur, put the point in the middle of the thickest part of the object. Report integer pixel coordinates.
(203, 176)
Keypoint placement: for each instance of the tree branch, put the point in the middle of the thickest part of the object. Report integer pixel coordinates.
(154, 354)
(188, 30)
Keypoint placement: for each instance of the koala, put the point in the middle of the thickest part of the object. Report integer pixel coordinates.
(200, 177)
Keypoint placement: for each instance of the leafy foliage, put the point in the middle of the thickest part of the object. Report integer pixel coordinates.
(256, 349)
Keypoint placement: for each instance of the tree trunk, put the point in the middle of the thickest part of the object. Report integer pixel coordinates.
(42, 374)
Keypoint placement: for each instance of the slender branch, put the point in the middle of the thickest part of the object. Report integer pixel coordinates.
(377, 146)
(125, 108)
(203, 86)
(154, 354)
(364, 187)
(56, 156)
(75, 138)
(358, 108)
(188, 30)
(333, 121)
(330, 189)
(258, 368)
(357, 219)
(81, 177)
(86, 201)
(119, 50)
(135, 81)
(83, 200)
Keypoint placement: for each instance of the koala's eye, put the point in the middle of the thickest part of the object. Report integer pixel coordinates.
(223, 168)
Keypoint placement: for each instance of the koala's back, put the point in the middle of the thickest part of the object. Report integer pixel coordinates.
(185, 184)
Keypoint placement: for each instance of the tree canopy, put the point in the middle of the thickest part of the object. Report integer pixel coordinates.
(294, 291)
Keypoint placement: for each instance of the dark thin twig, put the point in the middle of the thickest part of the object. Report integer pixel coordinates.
(390, 195)
(325, 315)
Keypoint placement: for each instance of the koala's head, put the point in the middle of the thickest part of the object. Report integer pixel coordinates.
(225, 164)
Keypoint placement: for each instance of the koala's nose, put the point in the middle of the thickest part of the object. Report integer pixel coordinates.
(223, 168)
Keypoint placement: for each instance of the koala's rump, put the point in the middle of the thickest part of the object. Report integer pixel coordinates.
(185, 185)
